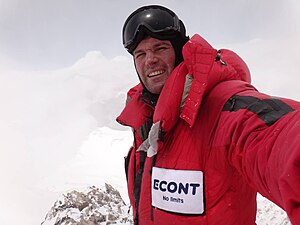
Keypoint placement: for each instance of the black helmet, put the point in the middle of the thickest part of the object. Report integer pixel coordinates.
(155, 21)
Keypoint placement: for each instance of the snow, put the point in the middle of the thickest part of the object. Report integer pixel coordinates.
(58, 133)
(100, 160)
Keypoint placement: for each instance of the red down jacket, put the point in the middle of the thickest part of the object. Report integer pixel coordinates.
(211, 143)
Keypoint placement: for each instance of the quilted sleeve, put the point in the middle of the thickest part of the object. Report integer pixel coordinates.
(263, 139)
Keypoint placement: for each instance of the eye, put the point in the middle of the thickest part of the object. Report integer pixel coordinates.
(139, 55)
(161, 48)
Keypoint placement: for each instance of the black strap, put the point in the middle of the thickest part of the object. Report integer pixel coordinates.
(268, 110)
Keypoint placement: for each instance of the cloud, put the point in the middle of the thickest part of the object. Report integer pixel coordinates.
(61, 107)
(46, 116)
(273, 63)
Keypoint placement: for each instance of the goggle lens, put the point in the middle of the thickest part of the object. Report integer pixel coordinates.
(155, 19)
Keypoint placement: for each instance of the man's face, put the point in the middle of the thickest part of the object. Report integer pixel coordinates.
(154, 61)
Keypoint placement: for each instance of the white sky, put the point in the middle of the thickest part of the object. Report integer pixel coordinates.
(54, 34)
(61, 74)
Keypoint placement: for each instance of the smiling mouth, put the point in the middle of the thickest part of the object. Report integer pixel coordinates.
(155, 73)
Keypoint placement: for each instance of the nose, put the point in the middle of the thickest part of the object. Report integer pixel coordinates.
(151, 58)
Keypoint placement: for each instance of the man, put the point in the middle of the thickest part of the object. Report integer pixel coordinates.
(205, 140)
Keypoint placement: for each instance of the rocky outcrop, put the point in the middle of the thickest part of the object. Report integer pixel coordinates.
(91, 207)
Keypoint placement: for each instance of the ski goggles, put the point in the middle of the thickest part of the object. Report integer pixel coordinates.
(156, 21)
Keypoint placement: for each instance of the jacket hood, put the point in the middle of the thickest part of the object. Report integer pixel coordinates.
(202, 69)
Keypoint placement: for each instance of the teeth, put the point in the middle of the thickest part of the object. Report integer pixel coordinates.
(155, 73)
